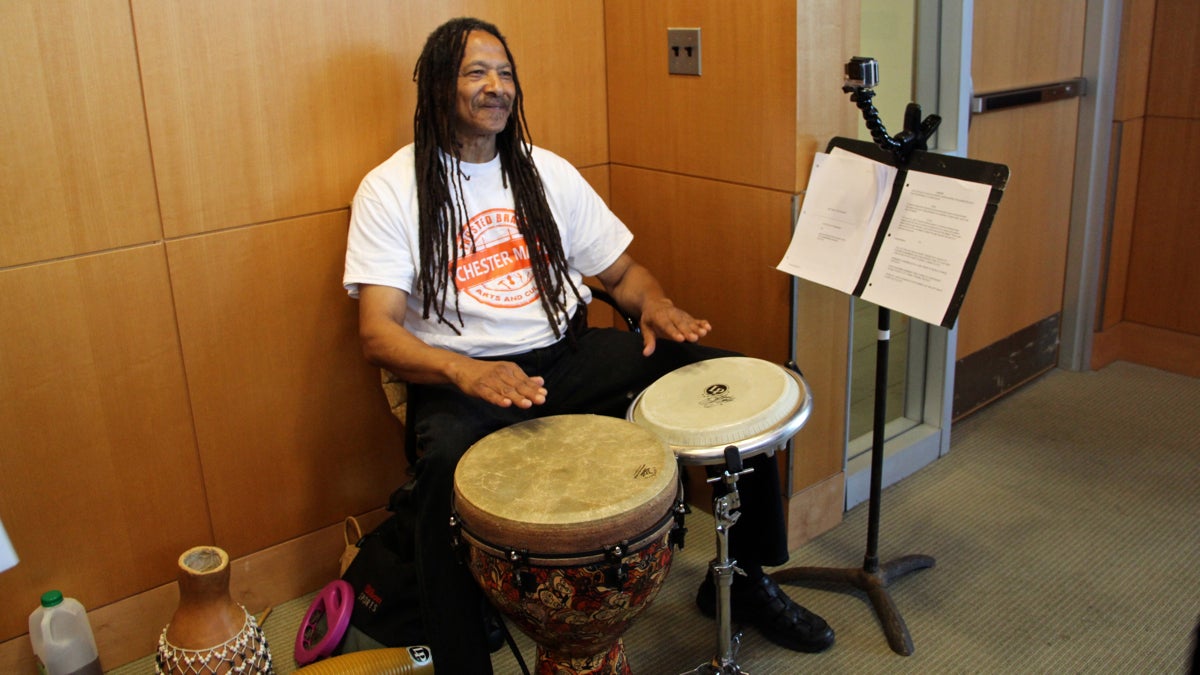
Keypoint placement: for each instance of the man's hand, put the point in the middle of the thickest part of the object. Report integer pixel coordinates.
(639, 294)
(501, 383)
(662, 319)
(388, 344)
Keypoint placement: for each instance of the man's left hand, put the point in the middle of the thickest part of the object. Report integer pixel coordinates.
(662, 319)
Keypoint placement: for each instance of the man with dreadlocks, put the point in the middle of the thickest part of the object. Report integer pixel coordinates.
(467, 251)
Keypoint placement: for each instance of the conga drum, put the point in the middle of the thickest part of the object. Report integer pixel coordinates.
(707, 408)
(704, 407)
(568, 525)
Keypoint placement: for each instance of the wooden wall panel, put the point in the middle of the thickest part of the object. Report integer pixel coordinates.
(714, 246)
(1133, 64)
(1150, 265)
(736, 122)
(76, 176)
(293, 428)
(704, 169)
(1122, 205)
(559, 50)
(827, 35)
(265, 110)
(821, 351)
(101, 487)
(268, 110)
(1163, 275)
(1129, 111)
(1174, 87)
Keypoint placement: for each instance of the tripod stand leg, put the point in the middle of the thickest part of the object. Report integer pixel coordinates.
(894, 569)
(893, 624)
(874, 584)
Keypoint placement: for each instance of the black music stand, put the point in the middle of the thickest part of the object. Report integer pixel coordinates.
(906, 151)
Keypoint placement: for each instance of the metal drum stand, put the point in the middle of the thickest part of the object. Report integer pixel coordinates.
(723, 568)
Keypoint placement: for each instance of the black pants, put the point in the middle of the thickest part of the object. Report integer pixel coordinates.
(600, 373)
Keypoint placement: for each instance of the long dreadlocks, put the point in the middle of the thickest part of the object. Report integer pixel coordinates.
(441, 218)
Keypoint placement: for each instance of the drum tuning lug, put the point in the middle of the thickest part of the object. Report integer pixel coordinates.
(455, 529)
(526, 582)
(614, 554)
(733, 460)
(524, 578)
(616, 576)
(617, 573)
(675, 538)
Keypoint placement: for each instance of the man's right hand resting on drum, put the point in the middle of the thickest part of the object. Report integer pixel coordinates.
(467, 251)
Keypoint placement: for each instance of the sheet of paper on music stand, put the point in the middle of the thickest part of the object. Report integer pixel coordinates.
(843, 207)
(8, 557)
(926, 246)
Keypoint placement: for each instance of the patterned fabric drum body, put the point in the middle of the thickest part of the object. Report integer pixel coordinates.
(569, 522)
(702, 408)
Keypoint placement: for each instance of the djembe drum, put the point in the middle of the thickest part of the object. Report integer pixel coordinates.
(569, 525)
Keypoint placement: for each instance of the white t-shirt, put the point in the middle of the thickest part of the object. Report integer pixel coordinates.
(497, 297)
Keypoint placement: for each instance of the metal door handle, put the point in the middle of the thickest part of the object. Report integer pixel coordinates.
(1011, 98)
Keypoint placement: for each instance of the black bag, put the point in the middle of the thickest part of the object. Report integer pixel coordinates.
(387, 608)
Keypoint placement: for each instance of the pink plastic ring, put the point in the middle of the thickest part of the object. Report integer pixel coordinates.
(325, 623)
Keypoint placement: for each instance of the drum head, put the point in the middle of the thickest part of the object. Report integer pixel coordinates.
(703, 407)
(565, 484)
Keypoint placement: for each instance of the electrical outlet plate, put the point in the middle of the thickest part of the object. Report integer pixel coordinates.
(683, 51)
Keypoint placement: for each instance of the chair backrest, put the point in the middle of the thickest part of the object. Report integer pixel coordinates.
(396, 391)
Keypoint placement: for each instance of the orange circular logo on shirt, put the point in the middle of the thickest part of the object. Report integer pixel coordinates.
(495, 270)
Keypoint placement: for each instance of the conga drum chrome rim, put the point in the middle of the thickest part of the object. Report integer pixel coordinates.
(704, 407)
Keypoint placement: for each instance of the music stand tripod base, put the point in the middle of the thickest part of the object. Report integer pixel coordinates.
(873, 578)
(874, 584)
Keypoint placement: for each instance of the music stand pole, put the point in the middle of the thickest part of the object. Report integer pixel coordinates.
(873, 578)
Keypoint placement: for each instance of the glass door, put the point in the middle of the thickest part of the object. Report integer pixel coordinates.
(888, 33)
(923, 50)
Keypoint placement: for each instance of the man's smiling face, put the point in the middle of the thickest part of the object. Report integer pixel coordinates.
(486, 88)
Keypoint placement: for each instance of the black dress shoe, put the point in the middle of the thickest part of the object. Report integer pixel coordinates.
(764, 604)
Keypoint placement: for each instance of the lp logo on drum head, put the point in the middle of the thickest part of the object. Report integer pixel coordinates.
(715, 394)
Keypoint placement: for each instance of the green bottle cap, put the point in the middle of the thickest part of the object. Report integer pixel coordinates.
(52, 598)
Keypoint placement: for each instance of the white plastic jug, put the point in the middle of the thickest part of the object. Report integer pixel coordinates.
(62, 637)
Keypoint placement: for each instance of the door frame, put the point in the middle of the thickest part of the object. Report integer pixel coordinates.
(1090, 216)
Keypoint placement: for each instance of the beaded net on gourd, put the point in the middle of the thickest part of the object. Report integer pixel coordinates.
(244, 653)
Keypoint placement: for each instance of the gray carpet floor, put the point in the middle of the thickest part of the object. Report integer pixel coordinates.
(1065, 524)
